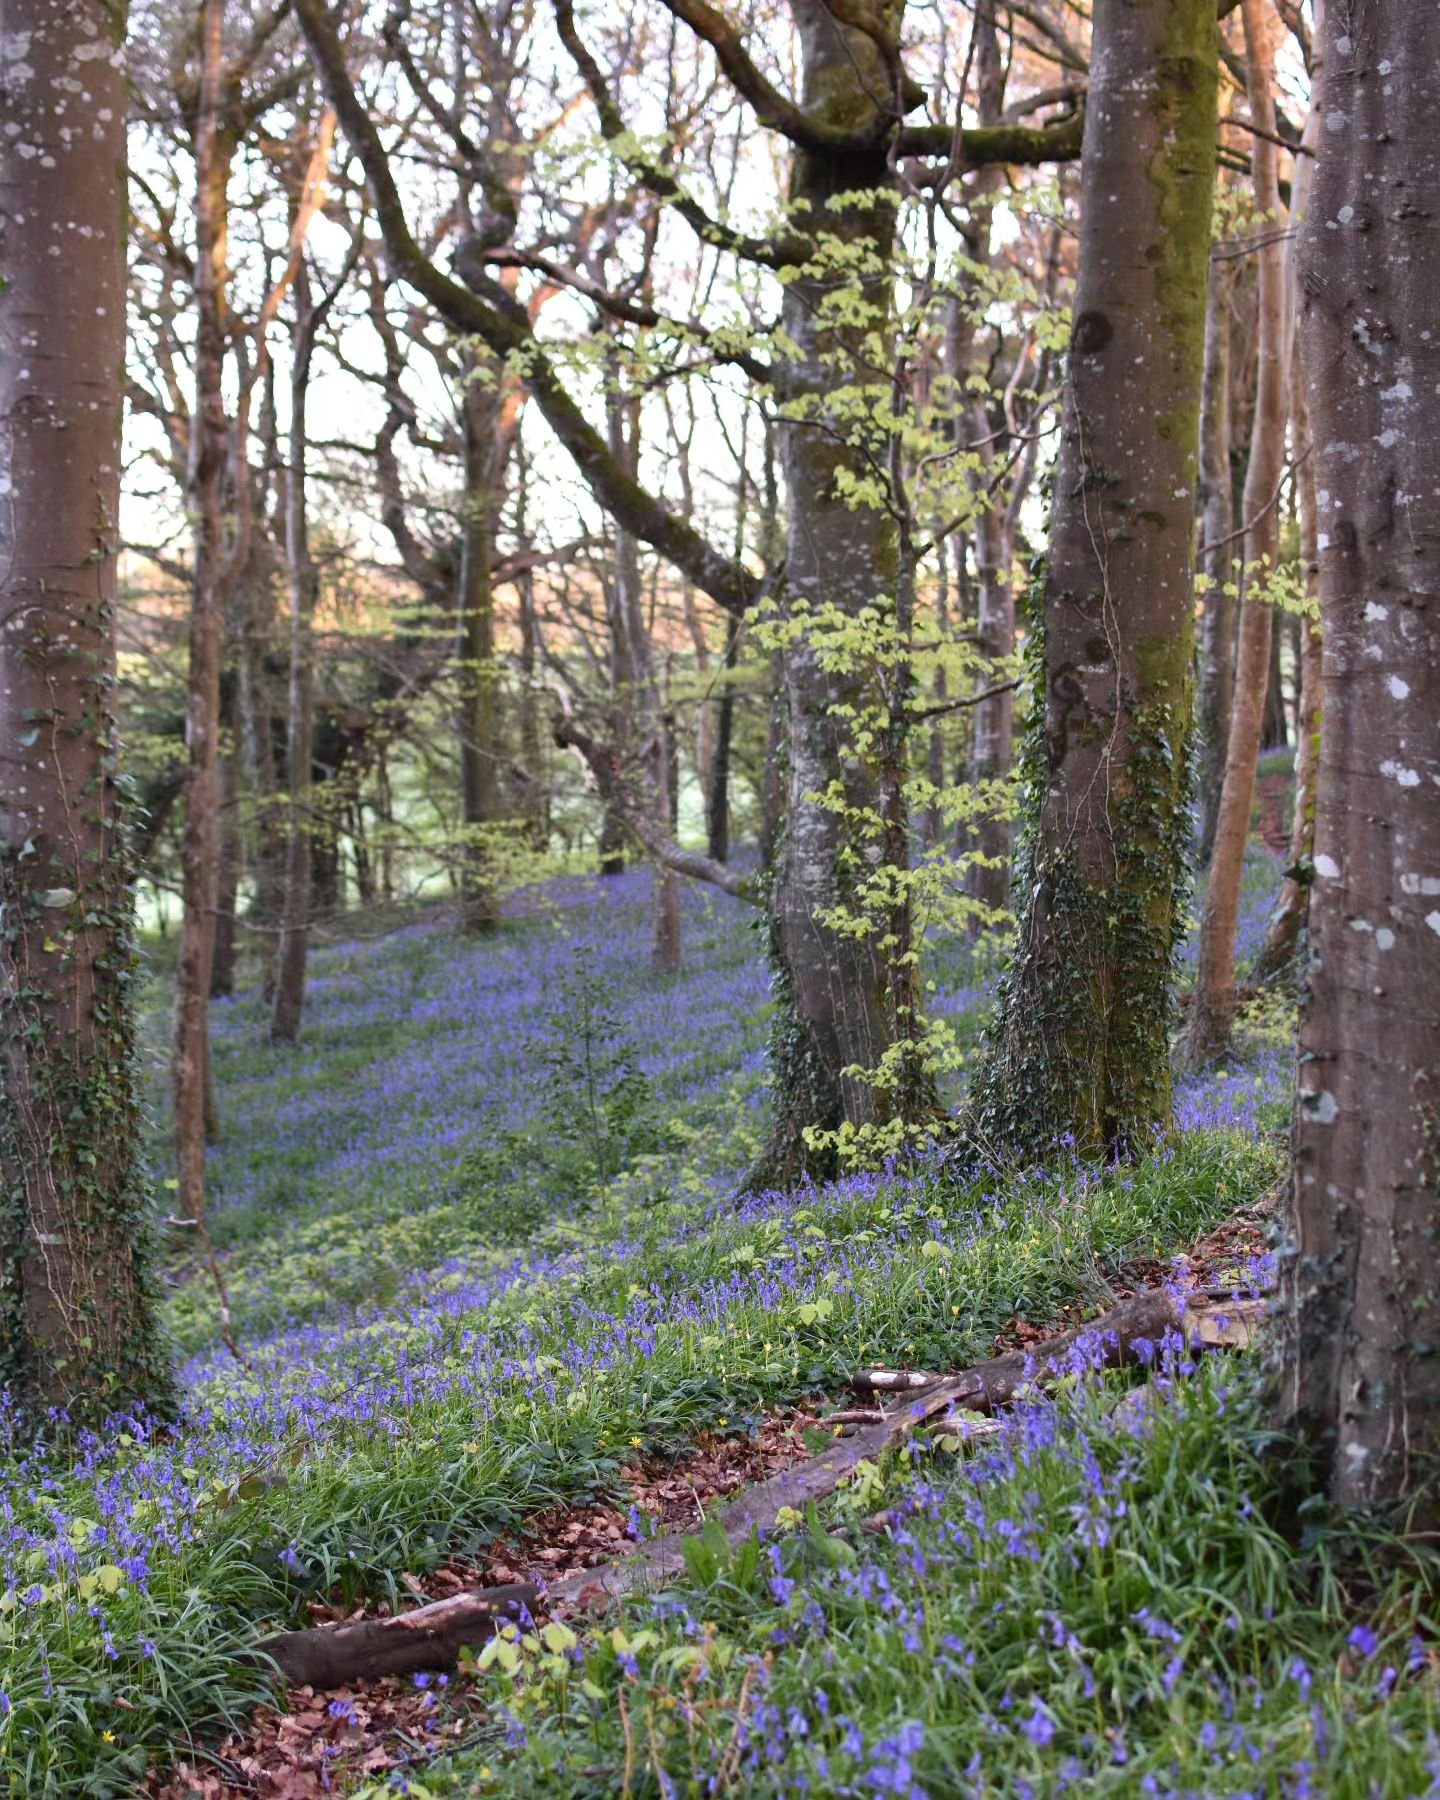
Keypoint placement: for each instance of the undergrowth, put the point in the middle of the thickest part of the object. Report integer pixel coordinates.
(1095, 1601)
(423, 1367)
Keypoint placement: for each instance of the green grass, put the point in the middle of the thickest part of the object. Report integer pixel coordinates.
(431, 1360)
(1098, 1605)
(929, 1271)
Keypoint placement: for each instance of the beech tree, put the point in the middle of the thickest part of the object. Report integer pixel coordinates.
(847, 1012)
(1360, 1375)
(77, 1322)
(1207, 1034)
(1081, 1043)
(1287, 920)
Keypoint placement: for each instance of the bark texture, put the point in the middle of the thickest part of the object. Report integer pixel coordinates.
(1217, 553)
(1363, 1307)
(292, 951)
(77, 1326)
(992, 729)
(1207, 1036)
(200, 843)
(1080, 1042)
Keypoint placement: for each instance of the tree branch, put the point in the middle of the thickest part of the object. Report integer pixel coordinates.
(604, 766)
(505, 327)
(771, 107)
(771, 253)
(949, 706)
(984, 144)
(633, 312)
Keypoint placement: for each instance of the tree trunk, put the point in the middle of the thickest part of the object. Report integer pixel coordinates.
(1080, 1043)
(208, 445)
(718, 816)
(475, 658)
(291, 952)
(77, 1318)
(384, 808)
(841, 1006)
(638, 729)
(1275, 732)
(1217, 553)
(612, 841)
(1282, 935)
(227, 899)
(1207, 1035)
(939, 692)
(327, 880)
(1361, 1301)
(992, 726)
(993, 722)
(704, 682)
(255, 707)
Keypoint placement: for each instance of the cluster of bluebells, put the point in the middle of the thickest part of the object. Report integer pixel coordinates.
(973, 1686)
(83, 1537)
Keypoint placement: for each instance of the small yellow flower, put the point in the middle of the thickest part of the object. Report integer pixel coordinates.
(634, 1443)
(724, 1423)
(109, 1736)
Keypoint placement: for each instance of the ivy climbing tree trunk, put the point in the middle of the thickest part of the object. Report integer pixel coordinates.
(77, 1320)
(1207, 1033)
(1080, 1042)
(846, 989)
(1361, 1377)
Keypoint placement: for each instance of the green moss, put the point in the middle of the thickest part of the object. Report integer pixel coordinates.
(1182, 172)
(1079, 1041)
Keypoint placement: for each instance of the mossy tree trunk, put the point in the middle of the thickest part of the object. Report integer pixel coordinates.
(77, 1323)
(1080, 1043)
(1361, 1374)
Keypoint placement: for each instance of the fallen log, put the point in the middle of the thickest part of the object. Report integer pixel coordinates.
(1218, 1318)
(432, 1636)
(426, 1637)
(891, 1381)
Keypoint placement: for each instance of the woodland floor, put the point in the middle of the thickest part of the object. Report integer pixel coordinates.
(490, 1330)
